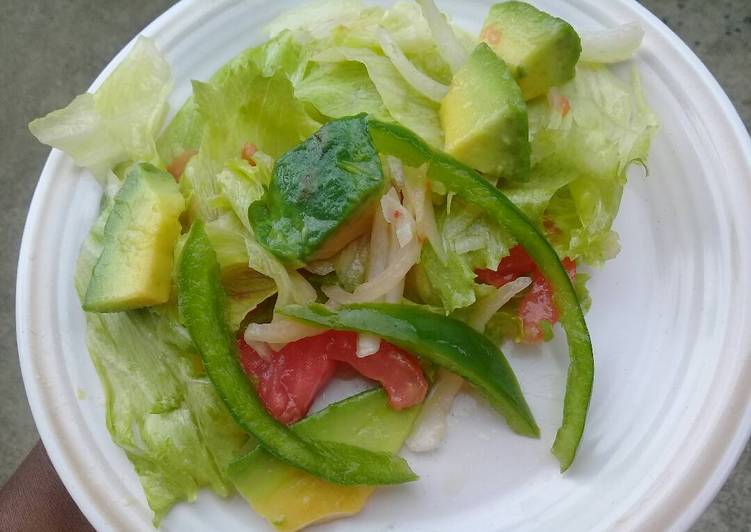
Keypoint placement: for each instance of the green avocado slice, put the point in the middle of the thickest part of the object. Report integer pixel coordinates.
(484, 117)
(289, 497)
(542, 50)
(135, 267)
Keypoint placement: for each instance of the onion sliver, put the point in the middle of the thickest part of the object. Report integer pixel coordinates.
(279, 331)
(448, 44)
(490, 304)
(398, 216)
(382, 283)
(430, 427)
(422, 83)
(612, 45)
(367, 344)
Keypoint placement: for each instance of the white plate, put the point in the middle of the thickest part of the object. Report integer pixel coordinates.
(670, 324)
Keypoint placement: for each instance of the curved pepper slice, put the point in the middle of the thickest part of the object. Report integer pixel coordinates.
(445, 341)
(395, 140)
(203, 310)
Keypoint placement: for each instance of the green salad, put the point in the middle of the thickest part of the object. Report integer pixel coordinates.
(370, 190)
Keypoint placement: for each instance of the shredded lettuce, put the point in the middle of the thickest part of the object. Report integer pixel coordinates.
(161, 409)
(419, 81)
(241, 184)
(243, 108)
(119, 122)
(585, 136)
(284, 53)
(450, 46)
(319, 17)
(245, 287)
(470, 241)
(405, 105)
(341, 89)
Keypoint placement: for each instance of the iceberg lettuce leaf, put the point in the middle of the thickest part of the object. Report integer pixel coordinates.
(120, 121)
(284, 53)
(470, 241)
(240, 185)
(405, 105)
(585, 136)
(244, 108)
(160, 408)
(341, 89)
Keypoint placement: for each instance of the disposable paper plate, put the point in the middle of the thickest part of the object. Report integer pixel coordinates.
(670, 324)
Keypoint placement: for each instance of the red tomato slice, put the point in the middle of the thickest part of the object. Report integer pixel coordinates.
(291, 379)
(516, 264)
(398, 372)
(537, 305)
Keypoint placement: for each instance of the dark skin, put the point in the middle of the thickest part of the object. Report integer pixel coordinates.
(34, 499)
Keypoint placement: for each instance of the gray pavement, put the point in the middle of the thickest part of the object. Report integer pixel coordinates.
(51, 51)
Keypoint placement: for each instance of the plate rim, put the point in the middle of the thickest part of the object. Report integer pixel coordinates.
(682, 516)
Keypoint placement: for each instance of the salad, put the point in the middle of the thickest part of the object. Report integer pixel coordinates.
(370, 191)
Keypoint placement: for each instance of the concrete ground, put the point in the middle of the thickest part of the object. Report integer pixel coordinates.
(51, 51)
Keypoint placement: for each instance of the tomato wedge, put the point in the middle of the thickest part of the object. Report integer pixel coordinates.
(398, 372)
(536, 307)
(290, 379)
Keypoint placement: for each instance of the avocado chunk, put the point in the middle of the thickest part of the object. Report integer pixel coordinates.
(541, 50)
(291, 498)
(322, 193)
(484, 117)
(135, 267)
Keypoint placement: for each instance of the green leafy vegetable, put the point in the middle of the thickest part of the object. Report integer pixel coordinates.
(471, 240)
(160, 408)
(282, 53)
(120, 120)
(341, 89)
(585, 136)
(403, 103)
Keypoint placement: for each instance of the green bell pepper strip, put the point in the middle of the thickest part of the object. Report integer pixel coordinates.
(444, 341)
(202, 306)
(395, 140)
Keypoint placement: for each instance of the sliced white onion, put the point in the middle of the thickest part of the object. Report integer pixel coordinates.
(393, 252)
(379, 285)
(262, 348)
(281, 330)
(418, 198)
(396, 170)
(378, 258)
(397, 215)
(367, 344)
(448, 44)
(397, 291)
(422, 83)
(611, 45)
(426, 225)
(430, 427)
(489, 305)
